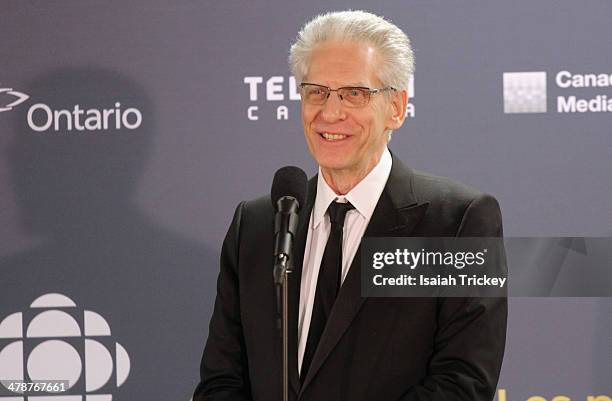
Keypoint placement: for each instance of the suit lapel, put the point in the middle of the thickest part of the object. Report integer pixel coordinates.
(396, 214)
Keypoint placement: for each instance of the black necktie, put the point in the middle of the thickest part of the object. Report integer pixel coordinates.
(328, 282)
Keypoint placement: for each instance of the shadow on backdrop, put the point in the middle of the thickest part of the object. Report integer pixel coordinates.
(75, 191)
(602, 346)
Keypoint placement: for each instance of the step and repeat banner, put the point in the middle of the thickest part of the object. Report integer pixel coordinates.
(129, 132)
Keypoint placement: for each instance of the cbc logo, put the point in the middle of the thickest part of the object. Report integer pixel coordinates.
(54, 341)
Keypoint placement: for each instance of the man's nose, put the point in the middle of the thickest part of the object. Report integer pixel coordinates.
(333, 109)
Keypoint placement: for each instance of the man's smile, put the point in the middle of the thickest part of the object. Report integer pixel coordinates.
(333, 136)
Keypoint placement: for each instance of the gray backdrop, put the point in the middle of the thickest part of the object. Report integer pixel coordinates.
(128, 221)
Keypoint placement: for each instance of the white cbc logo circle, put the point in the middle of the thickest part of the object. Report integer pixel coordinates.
(57, 359)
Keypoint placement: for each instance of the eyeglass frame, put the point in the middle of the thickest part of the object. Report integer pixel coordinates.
(370, 91)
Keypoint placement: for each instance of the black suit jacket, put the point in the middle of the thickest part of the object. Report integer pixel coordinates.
(372, 349)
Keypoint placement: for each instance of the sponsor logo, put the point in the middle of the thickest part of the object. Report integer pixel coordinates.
(56, 340)
(595, 103)
(526, 92)
(14, 99)
(282, 92)
(42, 117)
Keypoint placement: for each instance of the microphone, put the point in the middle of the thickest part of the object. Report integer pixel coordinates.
(288, 196)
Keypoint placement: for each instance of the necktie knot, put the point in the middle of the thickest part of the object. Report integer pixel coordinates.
(337, 213)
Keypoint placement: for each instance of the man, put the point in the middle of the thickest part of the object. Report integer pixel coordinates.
(354, 69)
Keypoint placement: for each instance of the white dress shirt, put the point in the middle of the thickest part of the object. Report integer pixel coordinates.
(364, 196)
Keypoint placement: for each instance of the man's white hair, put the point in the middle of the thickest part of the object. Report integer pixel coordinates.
(357, 26)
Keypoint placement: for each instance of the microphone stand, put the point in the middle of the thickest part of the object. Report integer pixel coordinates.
(282, 269)
(285, 223)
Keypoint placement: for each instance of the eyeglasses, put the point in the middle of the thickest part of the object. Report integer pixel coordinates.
(350, 96)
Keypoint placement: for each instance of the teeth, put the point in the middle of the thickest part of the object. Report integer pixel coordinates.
(333, 137)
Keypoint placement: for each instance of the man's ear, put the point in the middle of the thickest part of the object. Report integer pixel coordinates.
(399, 102)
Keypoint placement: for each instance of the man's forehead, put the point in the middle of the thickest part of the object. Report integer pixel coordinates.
(343, 63)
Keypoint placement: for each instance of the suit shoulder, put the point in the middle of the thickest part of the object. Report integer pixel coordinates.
(436, 189)
(455, 208)
(259, 204)
(257, 211)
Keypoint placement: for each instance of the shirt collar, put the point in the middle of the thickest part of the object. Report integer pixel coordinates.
(364, 196)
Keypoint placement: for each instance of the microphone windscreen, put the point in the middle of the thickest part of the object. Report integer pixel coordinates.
(289, 181)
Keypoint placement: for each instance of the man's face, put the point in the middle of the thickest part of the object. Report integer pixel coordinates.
(359, 134)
